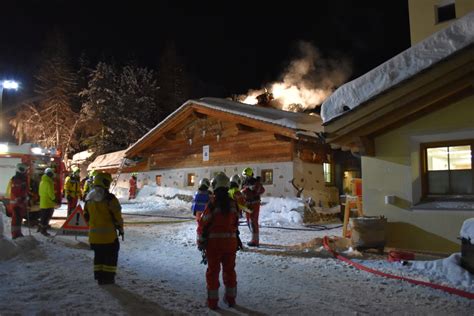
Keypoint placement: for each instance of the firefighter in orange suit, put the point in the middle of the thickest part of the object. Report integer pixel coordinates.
(102, 210)
(252, 189)
(132, 191)
(217, 236)
(72, 190)
(17, 190)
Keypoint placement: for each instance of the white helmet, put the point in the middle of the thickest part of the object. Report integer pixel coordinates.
(220, 181)
(204, 182)
(236, 179)
(49, 172)
(21, 168)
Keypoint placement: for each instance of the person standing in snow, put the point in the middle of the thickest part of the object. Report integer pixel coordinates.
(103, 212)
(217, 235)
(252, 189)
(72, 190)
(47, 200)
(132, 190)
(236, 195)
(88, 183)
(17, 192)
(201, 197)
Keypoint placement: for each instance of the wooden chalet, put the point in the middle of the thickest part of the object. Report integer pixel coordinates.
(205, 136)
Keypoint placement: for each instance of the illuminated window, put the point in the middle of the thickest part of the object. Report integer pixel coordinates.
(448, 169)
(327, 168)
(267, 176)
(445, 12)
(191, 179)
(158, 180)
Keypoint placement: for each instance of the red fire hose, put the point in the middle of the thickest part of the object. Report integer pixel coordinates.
(391, 276)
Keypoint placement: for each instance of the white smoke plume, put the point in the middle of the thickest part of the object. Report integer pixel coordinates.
(306, 83)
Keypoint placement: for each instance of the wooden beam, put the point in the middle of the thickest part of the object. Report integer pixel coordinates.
(282, 138)
(246, 128)
(199, 115)
(169, 135)
(368, 146)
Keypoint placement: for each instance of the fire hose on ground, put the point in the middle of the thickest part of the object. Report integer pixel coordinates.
(396, 277)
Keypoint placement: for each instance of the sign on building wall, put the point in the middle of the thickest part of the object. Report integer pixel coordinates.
(205, 153)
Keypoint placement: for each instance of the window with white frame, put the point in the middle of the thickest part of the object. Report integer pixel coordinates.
(448, 169)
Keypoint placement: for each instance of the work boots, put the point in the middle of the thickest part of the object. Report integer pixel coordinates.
(43, 230)
(230, 301)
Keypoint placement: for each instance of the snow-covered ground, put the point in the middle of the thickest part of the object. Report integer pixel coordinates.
(160, 271)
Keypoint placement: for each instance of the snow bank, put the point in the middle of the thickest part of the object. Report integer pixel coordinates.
(467, 230)
(12, 248)
(445, 271)
(274, 211)
(421, 56)
(281, 211)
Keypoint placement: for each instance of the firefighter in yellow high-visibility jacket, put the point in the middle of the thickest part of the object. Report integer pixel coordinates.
(72, 190)
(102, 210)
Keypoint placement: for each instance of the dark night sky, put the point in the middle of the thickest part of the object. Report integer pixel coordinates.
(233, 45)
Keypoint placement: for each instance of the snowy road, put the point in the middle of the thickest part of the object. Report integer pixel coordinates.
(160, 273)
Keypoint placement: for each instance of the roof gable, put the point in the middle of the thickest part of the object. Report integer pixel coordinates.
(281, 122)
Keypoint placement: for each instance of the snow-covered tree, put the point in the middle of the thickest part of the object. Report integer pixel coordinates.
(50, 121)
(121, 106)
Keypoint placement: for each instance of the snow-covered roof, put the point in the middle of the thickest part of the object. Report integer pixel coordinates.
(292, 120)
(81, 156)
(405, 65)
(108, 161)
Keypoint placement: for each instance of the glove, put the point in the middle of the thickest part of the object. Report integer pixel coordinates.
(120, 232)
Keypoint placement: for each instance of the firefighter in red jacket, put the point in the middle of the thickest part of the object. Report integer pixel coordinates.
(217, 236)
(17, 190)
(132, 191)
(252, 189)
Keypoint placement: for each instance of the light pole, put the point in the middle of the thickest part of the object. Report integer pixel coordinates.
(6, 84)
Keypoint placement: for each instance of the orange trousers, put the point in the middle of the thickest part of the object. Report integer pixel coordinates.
(215, 259)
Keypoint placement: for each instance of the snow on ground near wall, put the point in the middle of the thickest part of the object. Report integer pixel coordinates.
(467, 230)
(273, 212)
(445, 271)
(421, 56)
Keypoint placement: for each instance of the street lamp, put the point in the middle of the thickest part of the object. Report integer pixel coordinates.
(5, 84)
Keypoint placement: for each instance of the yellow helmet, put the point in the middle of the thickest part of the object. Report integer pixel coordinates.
(103, 180)
(248, 172)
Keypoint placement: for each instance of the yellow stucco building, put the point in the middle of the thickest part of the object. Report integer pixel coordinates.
(430, 16)
(413, 124)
